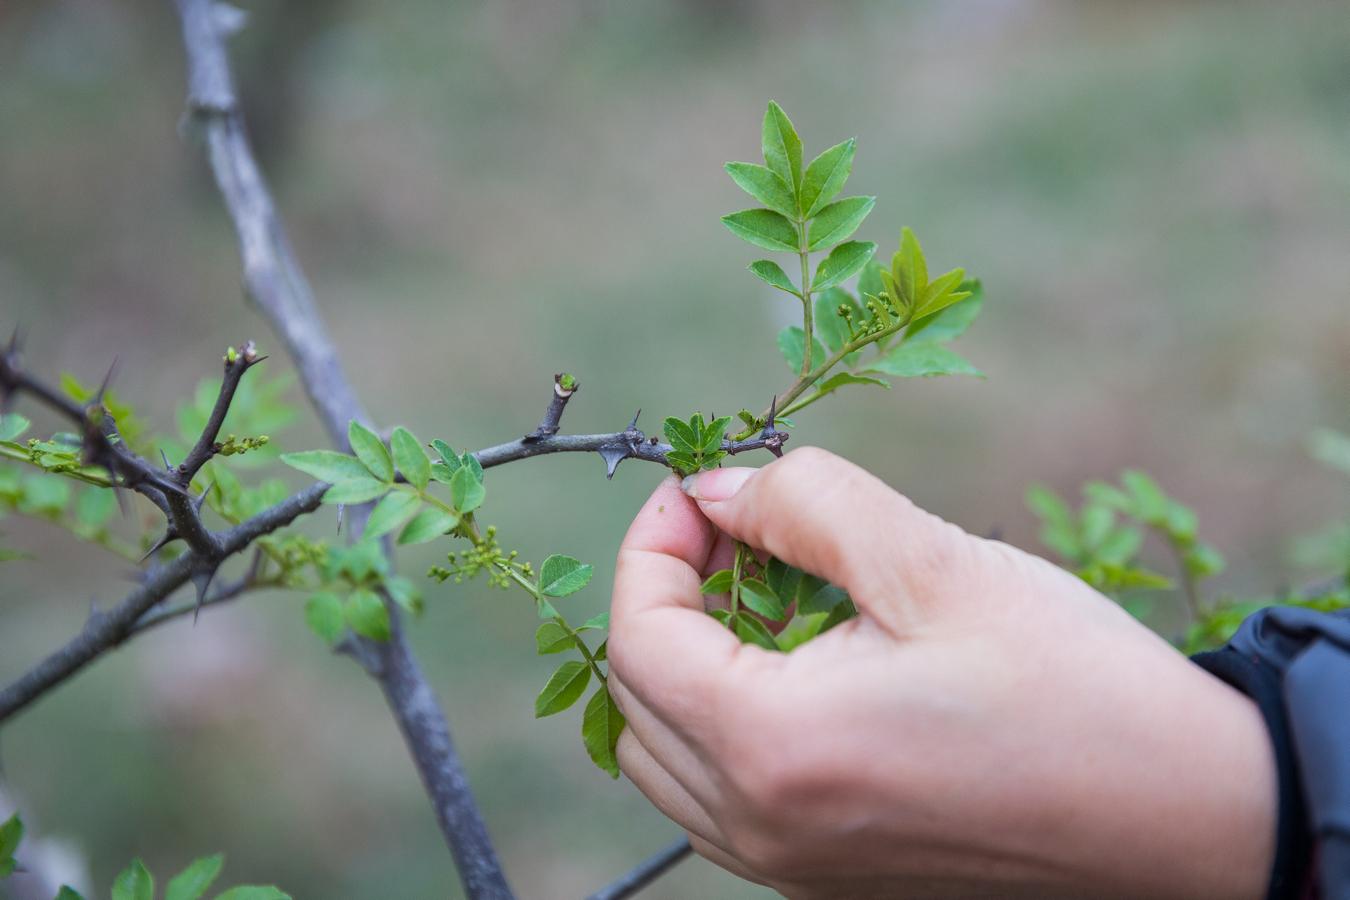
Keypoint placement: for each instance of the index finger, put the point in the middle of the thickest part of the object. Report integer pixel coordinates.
(664, 648)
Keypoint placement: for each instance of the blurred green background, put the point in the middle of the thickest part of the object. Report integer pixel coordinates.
(485, 193)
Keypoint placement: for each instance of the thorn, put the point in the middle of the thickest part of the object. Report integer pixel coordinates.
(15, 340)
(121, 499)
(613, 454)
(202, 581)
(632, 426)
(773, 412)
(97, 399)
(169, 537)
(197, 503)
(164, 456)
(341, 507)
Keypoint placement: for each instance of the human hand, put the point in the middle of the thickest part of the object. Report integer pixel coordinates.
(987, 726)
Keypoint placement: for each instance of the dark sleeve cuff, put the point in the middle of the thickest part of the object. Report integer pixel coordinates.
(1289, 876)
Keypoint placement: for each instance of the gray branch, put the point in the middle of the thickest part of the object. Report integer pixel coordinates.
(274, 281)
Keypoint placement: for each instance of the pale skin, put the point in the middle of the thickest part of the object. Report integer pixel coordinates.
(989, 726)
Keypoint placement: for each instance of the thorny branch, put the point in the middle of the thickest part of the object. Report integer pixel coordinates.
(105, 630)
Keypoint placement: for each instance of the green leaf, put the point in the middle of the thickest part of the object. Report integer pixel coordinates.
(837, 221)
(410, 458)
(792, 343)
(683, 462)
(405, 593)
(368, 448)
(193, 881)
(552, 638)
(602, 652)
(681, 435)
(769, 272)
(1059, 530)
(597, 621)
(326, 465)
(1096, 524)
(765, 186)
(910, 268)
(1120, 546)
(562, 575)
(134, 883)
(752, 631)
(922, 359)
(1109, 495)
(366, 614)
(466, 491)
(713, 434)
(1150, 502)
(545, 609)
(428, 525)
(447, 454)
(782, 578)
(781, 146)
(800, 630)
(356, 490)
(564, 688)
(843, 379)
(12, 426)
(396, 508)
(719, 582)
(254, 892)
(1181, 521)
(1202, 561)
(940, 295)
(11, 835)
(68, 893)
(825, 176)
(823, 599)
(600, 727)
(760, 598)
(763, 228)
(951, 322)
(323, 614)
(844, 261)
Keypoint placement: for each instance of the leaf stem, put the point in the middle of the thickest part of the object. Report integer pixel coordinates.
(808, 314)
(533, 590)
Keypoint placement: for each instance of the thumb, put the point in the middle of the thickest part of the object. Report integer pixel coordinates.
(829, 517)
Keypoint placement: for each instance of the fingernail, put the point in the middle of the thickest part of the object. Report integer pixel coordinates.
(717, 484)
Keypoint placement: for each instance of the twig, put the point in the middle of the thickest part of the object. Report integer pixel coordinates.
(105, 630)
(645, 872)
(275, 282)
(564, 386)
(237, 362)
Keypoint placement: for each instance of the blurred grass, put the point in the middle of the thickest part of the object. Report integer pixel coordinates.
(487, 193)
